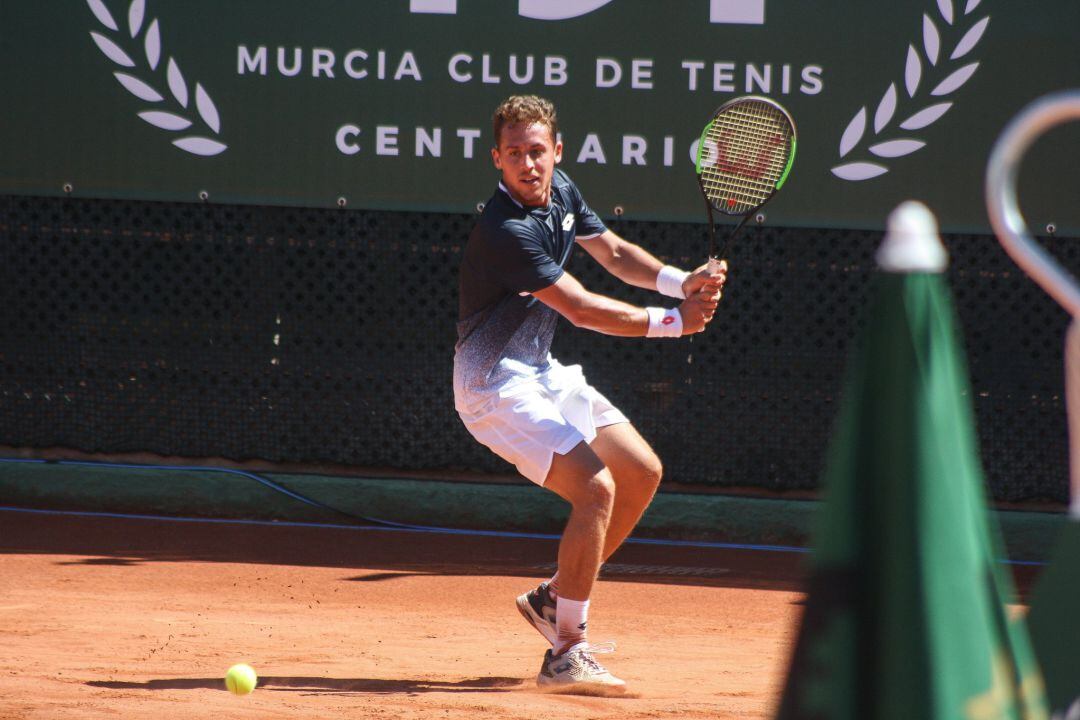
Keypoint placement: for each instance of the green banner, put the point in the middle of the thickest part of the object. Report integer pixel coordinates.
(386, 103)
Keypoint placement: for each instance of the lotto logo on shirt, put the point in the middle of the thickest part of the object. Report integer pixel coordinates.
(568, 221)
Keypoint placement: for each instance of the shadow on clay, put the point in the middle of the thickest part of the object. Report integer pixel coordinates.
(326, 685)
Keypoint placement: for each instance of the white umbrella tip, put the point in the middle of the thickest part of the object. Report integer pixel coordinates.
(912, 243)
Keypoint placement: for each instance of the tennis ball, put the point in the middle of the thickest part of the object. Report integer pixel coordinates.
(240, 679)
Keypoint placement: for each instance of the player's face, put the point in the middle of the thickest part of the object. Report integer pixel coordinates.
(527, 155)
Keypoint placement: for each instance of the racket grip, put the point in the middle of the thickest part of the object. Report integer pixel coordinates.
(714, 267)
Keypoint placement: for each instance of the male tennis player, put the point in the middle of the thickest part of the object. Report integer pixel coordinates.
(538, 414)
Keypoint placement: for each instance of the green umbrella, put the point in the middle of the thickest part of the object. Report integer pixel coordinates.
(905, 616)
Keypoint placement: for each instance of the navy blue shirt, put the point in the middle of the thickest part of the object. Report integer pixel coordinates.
(504, 334)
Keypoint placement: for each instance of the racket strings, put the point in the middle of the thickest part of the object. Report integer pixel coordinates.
(748, 147)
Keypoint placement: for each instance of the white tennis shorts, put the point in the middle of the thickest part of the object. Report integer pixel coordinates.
(549, 413)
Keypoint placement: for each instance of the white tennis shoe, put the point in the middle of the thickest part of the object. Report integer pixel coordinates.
(577, 672)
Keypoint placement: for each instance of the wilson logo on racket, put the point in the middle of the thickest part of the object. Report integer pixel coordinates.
(728, 156)
(744, 156)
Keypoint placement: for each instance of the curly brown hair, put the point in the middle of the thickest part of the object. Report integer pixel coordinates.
(527, 109)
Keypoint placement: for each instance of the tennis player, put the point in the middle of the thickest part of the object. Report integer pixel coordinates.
(543, 417)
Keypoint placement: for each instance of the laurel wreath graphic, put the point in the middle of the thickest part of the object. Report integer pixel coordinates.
(891, 146)
(174, 119)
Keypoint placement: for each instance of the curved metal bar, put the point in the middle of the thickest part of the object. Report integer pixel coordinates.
(1001, 200)
(1008, 223)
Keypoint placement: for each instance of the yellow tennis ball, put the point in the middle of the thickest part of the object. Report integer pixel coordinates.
(240, 679)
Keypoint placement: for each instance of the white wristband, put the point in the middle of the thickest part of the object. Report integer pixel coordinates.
(664, 323)
(669, 281)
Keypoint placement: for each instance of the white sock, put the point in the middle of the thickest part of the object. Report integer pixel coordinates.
(553, 586)
(571, 620)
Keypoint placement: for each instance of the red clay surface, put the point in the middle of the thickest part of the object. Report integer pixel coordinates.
(134, 619)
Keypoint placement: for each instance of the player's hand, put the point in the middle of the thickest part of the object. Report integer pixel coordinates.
(698, 310)
(701, 279)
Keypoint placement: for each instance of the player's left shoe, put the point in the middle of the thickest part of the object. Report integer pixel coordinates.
(538, 608)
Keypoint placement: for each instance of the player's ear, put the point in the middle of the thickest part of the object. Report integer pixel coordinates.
(558, 152)
(495, 158)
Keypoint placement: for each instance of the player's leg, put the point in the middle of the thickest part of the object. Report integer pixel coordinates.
(634, 466)
(580, 478)
(636, 471)
(527, 427)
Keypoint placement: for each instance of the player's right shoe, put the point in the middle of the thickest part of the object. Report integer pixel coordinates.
(577, 672)
(538, 608)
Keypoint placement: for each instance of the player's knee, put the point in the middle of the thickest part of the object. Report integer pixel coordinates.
(651, 472)
(643, 475)
(598, 494)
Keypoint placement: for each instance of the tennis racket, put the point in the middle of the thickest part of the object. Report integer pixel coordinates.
(744, 156)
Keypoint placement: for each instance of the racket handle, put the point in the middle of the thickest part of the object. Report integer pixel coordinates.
(714, 267)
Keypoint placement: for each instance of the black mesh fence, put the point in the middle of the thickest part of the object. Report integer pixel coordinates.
(326, 336)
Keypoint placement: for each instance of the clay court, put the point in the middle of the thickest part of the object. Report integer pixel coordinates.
(107, 617)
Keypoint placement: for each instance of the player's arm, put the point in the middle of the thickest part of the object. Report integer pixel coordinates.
(603, 314)
(636, 266)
